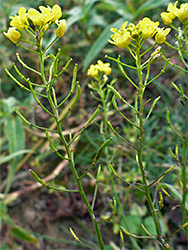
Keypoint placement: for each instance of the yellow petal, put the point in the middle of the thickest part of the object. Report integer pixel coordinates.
(13, 34)
(61, 28)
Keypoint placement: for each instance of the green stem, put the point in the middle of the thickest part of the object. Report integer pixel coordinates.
(69, 152)
(19, 45)
(104, 100)
(186, 36)
(172, 64)
(80, 187)
(140, 151)
(50, 45)
(25, 65)
(184, 182)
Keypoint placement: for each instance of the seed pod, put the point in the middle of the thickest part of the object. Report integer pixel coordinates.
(77, 97)
(101, 150)
(114, 102)
(74, 78)
(37, 178)
(160, 201)
(115, 91)
(94, 115)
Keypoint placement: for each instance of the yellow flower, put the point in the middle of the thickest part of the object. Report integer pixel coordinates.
(172, 8)
(121, 38)
(104, 67)
(13, 34)
(182, 13)
(93, 71)
(40, 19)
(160, 37)
(147, 27)
(46, 14)
(35, 17)
(20, 21)
(57, 13)
(61, 28)
(53, 13)
(167, 17)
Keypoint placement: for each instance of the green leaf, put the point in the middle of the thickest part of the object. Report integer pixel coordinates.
(13, 155)
(173, 192)
(9, 105)
(23, 234)
(15, 135)
(121, 8)
(16, 139)
(150, 226)
(3, 212)
(149, 5)
(133, 223)
(75, 15)
(100, 43)
(138, 210)
(87, 7)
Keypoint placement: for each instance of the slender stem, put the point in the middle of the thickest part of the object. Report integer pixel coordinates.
(185, 24)
(35, 52)
(161, 72)
(80, 187)
(118, 61)
(25, 41)
(140, 150)
(146, 51)
(69, 151)
(184, 182)
(172, 64)
(50, 44)
(25, 65)
(104, 100)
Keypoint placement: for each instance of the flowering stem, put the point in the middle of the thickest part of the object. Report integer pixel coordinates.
(25, 65)
(79, 183)
(25, 41)
(172, 64)
(180, 50)
(161, 72)
(68, 149)
(140, 150)
(186, 36)
(31, 31)
(50, 44)
(32, 51)
(119, 62)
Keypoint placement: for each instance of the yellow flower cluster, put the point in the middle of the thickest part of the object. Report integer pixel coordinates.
(94, 70)
(173, 12)
(41, 20)
(143, 30)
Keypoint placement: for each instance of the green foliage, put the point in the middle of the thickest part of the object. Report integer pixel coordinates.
(15, 135)
(88, 31)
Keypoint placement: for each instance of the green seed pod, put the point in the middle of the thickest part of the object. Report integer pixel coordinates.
(74, 78)
(115, 91)
(168, 116)
(77, 97)
(114, 102)
(161, 200)
(94, 115)
(101, 150)
(37, 178)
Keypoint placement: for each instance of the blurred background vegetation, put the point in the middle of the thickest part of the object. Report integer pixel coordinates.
(86, 41)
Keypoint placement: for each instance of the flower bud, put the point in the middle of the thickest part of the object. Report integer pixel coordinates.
(13, 34)
(61, 28)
